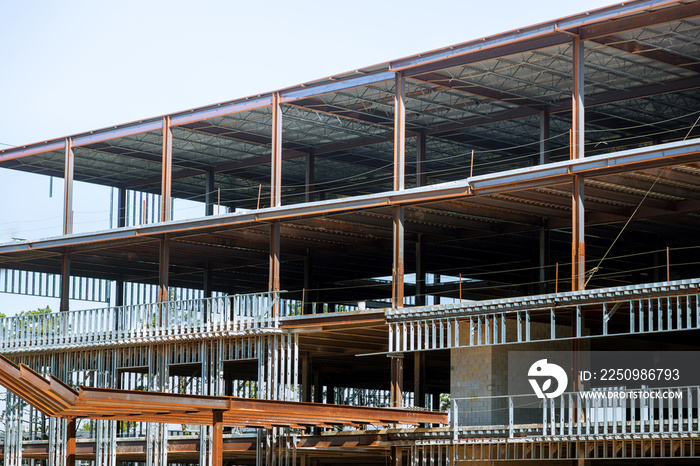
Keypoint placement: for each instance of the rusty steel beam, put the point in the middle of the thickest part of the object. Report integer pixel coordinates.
(653, 53)
(70, 441)
(167, 171)
(217, 449)
(397, 276)
(56, 399)
(396, 380)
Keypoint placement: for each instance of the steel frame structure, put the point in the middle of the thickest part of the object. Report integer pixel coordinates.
(418, 206)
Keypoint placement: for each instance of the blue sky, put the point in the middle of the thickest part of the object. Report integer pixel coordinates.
(74, 66)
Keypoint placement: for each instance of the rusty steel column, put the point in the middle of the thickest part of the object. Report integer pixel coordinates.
(309, 185)
(276, 153)
(544, 257)
(396, 380)
(207, 281)
(209, 194)
(70, 441)
(396, 456)
(420, 159)
(164, 266)
(578, 245)
(419, 378)
(65, 283)
(217, 444)
(68, 188)
(167, 171)
(274, 279)
(397, 275)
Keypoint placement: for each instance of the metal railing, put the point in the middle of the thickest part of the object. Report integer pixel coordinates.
(599, 412)
(189, 318)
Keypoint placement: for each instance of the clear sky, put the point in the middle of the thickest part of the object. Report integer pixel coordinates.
(74, 66)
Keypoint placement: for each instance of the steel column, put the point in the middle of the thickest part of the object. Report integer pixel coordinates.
(119, 292)
(207, 281)
(309, 185)
(217, 448)
(167, 171)
(306, 297)
(65, 283)
(209, 193)
(396, 380)
(70, 441)
(163, 270)
(544, 253)
(68, 188)
(399, 132)
(276, 153)
(578, 249)
(420, 159)
(274, 278)
(420, 272)
(121, 207)
(419, 378)
(544, 136)
(397, 276)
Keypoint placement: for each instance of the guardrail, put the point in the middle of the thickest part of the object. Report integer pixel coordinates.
(608, 411)
(232, 314)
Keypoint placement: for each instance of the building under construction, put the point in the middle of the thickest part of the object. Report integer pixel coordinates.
(381, 238)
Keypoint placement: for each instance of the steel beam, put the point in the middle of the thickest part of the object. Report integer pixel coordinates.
(163, 270)
(399, 132)
(397, 276)
(68, 188)
(276, 153)
(167, 171)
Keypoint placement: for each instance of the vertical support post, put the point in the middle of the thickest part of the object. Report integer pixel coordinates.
(65, 283)
(70, 442)
(578, 251)
(308, 303)
(121, 207)
(399, 132)
(119, 292)
(396, 380)
(544, 136)
(209, 194)
(544, 257)
(164, 266)
(420, 272)
(577, 96)
(306, 376)
(167, 172)
(217, 444)
(68, 188)
(207, 282)
(274, 279)
(330, 394)
(420, 159)
(276, 153)
(399, 183)
(419, 378)
(397, 456)
(310, 174)
(397, 282)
